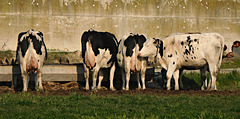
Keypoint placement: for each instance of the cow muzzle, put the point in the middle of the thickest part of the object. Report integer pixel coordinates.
(229, 55)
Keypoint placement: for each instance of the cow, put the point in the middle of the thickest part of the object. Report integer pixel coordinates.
(128, 59)
(202, 51)
(31, 54)
(229, 44)
(99, 51)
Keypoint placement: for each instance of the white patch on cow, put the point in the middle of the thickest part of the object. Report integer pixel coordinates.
(103, 57)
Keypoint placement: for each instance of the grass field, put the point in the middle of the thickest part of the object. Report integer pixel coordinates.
(29, 106)
(185, 106)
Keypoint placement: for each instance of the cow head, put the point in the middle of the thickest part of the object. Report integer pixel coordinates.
(151, 48)
(228, 48)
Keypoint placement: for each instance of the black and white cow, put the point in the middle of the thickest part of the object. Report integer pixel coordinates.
(99, 50)
(128, 59)
(31, 53)
(202, 51)
(229, 44)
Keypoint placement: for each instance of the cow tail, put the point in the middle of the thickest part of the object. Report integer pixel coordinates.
(221, 53)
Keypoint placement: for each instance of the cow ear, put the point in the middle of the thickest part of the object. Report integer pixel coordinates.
(236, 44)
(225, 48)
(156, 41)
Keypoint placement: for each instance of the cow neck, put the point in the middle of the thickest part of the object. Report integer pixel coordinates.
(159, 50)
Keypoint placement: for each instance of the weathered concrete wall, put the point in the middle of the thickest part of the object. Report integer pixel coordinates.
(64, 21)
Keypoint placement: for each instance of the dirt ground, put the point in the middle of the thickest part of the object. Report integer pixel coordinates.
(65, 89)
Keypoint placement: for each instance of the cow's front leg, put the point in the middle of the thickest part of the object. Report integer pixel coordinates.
(112, 71)
(170, 71)
(86, 75)
(176, 76)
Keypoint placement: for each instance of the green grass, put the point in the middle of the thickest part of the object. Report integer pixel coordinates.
(26, 105)
(234, 63)
(228, 81)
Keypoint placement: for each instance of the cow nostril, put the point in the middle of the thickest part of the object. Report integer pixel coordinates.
(139, 54)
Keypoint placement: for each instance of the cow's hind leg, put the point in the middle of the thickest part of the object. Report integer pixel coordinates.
(123, 79)
(143, 70)
(112, 71)
(25, 81)
(100, 79)
(94, 76)
(213, 74)
(203, 78)
(139, 85)
(86, 75)
(39, 80)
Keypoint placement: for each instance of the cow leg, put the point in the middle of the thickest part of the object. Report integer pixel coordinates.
(123, 79)
(25, 81)
(203, 78)
(112, 71)
(86, 75)
(100, 79)
(139, 85)
(127, 79)
(39, 78)
(143, 70)
(180, 79)
(94, 76)
(213, 75)
(169, 76)
(176, 76)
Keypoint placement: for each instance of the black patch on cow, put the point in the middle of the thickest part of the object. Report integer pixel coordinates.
(161, 48)
(176, 52)
(173, 62)
(37, 44)
(170, 55)
(195, 40)
(131, 42)
(186, 52)
(188, 38)
(164, 48)
(23, 45)
(182, 43)
(100, 40)
(187, 57)
(194, 57)
(186, 61)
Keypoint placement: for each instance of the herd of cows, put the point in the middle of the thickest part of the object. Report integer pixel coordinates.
(174, 53)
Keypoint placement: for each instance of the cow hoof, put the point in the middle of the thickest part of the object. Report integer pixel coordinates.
(113, 89)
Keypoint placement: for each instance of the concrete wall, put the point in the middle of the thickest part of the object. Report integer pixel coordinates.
(64, 21)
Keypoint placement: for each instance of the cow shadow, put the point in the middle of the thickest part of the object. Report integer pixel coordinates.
(188, 84)
(17, 81)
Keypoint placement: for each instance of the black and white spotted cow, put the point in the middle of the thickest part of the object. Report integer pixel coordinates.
(99, 50)
(202, 51)
(31, 53)
(128, 59)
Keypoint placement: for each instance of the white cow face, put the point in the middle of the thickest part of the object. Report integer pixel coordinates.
(228, 47)
(149, 48)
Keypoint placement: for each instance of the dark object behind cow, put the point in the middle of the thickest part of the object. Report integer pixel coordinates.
(99, 50)
(31, 53)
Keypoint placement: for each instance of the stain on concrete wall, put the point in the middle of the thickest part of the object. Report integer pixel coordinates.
(64, 21)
